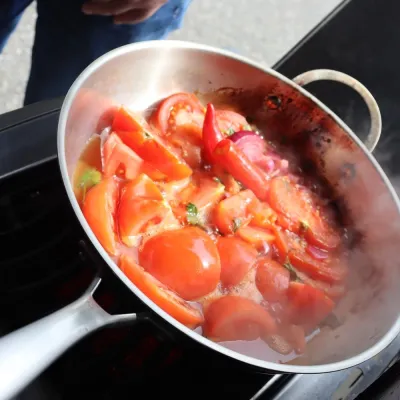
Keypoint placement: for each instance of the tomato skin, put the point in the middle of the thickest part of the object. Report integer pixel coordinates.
(99, 210)
(234, 208)
(150, 147)
(237, 318)
(119, 160)
(300, 213)
(161, 295)
(177, 110)
(186, 260)
(141, 207)
(228, 155)
(272, 279)
(308, 305)
(237, 257)
(261, 239)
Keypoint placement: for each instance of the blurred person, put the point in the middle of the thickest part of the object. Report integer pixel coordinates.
(70, 34)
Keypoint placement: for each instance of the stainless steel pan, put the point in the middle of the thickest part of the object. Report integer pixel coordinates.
(138, 75)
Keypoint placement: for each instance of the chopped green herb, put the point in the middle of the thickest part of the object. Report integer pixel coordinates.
(247, 128)
(216, 179)
(237, 222)
(192, 214)
(147, 135)
(89, 178)
(230, 131)
(293, 273)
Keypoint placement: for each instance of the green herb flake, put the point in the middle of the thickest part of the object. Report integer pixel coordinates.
(247, 128)
(216, 179)
(89, 178)
(237, 222)
(293, 273)
(147, 135)
(230, 131)
(192, 214)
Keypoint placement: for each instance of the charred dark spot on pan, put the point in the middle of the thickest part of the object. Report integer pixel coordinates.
(273, 102)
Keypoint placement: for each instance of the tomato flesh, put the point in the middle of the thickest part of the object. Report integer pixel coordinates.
(141, 208)
(120, 160)
(237, 318)
(308, 305)
(257, 237)
(150, 147)
(99, 210)
(272, 279)
(294, 249)
(160, 294)
(230, 121)
(301, 214)
(237, 257)
(185, 260)
(233, 212)
(180, 109)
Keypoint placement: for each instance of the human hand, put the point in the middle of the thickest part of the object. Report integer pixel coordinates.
(124, 11)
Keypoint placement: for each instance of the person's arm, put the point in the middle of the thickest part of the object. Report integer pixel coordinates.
(124, 11)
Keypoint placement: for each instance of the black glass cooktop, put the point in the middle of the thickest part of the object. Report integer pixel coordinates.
(44, 265)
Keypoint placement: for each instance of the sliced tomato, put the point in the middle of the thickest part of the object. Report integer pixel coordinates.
(149, 146)
(177, 110)
(263, 215)
(99, 210)
(261, 239)
(302, 214)
(272, 279)
(160, 294)
(120, 160)
(237, 318)
(141, 208)
(308, 305)
(186, 260)
(232, 186)
(233, 212)
(237, 257)
(186, 140)
(230, 121)
(293, 248)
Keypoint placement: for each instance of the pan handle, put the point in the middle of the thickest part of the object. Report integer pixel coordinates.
(373, 108)
(25, 353)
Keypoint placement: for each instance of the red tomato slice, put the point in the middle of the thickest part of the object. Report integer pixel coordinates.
(178, 110)
(149, 146)
(291, 247)
(187, 141)
(99, 210)
(237, 318)
(160, 294)
(120, 160)
(272, 279)
(308, 305)
(233, 212)
(302, 214)
(230, 121)
(257, 237)
(186, 260)
(141, 208)
(237, 257)
(263, 215)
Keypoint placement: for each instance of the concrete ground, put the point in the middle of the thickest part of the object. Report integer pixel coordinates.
(264, 31)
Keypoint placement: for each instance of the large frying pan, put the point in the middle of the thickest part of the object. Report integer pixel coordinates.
(138, 75)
